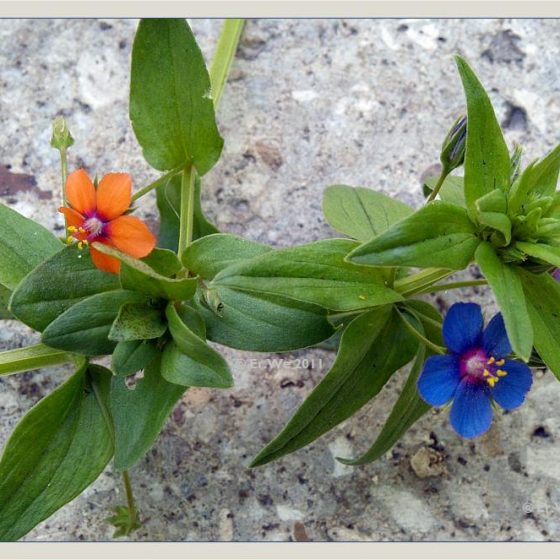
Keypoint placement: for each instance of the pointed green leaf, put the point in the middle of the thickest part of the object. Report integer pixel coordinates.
(5, 295)
(314, 273)
(56, 451)
(543, 302)
(408, 409)
(140, 413)
(506, 285)
(209, 255)
(189, 361)
(135, 355)
(372, 348)
(171, 109)
(24, 244)
(540, 251)
(164, 262)
(137, 275)
(84, 328)
(361, 213)
(168, 202)
(261, 323)
(56, 285)
(438, 235)
(137, 322)
(487, 160)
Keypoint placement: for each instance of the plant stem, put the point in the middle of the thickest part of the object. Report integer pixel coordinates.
(452, 286)
(415, 282)
(437, 349)
(32, 357)
(434, 193)
(132, 513)
(187, 209)
(223, 56)
(158, 182)
(64, 178)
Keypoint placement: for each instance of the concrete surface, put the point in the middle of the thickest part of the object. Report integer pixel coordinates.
(309, 103)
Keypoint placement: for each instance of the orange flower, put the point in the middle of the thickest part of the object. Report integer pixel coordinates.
(97, 215)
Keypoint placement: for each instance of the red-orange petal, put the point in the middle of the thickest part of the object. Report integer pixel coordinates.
(131, 236)
(73, 218)
(113, 195)
(105, 262)
(80, 192)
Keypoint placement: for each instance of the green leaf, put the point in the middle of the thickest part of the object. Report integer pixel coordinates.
(438, 235)
(189, 361)
(24, 244)
(85, 327)
(168, 202)
(209, 255)
(31, 357)
(543, 302)
(541, 252)
(140, 413)
(137, 275)
(452, 190)
(261, 323)
(506, 285)
(56, 285)
(135, 355)
(315, 273)
(171, 109)
(361, 213)
(56, 451)
(408, 409)
(163, 261)
(487, 160)
(137, 322)
(372, 348)
(429, 317)
(540, 177)
(5, 295)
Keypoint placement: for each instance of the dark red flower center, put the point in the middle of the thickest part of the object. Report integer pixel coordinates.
(478, 366)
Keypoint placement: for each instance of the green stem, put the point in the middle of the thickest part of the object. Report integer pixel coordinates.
(32, 357)
(132, 512)
(187, 209)
(452, 286)
(415, 282)
(437, 349)
(158, 182)
(223, 57)
(434, 193)
(64, 178)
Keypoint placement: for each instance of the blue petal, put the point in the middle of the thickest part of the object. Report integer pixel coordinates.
(439, 379)
(510, 391)
(471, 413)
(462, 327)
(494, 338)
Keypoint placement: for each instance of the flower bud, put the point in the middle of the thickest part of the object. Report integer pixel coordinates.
(61, 137)
(453, 147)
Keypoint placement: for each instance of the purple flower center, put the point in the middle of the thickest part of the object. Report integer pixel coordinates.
(477, 366)
(94, 227)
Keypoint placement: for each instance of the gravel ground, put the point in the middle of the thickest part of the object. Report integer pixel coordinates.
(309, 103)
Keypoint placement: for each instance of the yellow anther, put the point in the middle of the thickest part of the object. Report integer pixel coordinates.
(85, 242)
(500, 362)
(491, 360)
(80, 245)
(486, 373)
(501, 373)
(492, 381)
(72, 229)
(81, 230)
(69, 239)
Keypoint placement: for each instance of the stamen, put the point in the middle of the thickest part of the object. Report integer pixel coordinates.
(500, 362)
(492, 381)
(70, 239)
(486, 373)
(72, 229)
(501, 373)
(491, 360)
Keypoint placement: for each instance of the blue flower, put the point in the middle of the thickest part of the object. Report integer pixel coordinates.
(475, 372)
